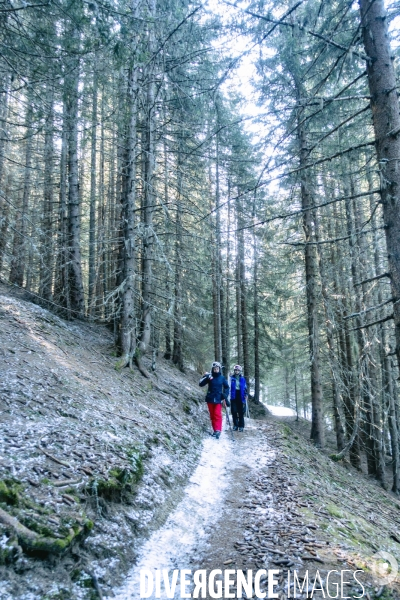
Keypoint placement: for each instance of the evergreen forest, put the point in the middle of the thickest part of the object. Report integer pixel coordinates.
(216, 181)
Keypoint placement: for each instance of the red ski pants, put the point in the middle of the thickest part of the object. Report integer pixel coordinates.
(215, 411)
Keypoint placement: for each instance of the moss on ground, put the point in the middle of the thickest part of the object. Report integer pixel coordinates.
(119, 480)
(334, 511)
(9, 489)
(30, 526)
(9, 548)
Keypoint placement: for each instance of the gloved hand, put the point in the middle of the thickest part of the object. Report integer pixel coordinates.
(227, 402)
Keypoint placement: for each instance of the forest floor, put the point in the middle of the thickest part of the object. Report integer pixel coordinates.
(89, 458)
(277, 503)
(297, 510)
(94, 462)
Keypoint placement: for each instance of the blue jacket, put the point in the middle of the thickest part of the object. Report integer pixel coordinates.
(218, 388)
(243, 388)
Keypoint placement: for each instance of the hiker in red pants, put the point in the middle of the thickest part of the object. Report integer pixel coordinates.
(218, 391)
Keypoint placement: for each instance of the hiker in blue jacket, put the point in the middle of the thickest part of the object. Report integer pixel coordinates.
(217, 394)
(238, 398)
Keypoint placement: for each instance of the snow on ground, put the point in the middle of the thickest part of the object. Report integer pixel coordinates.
(188, 528)
(281, 411)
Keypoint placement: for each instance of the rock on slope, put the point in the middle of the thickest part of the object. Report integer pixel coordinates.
(90, 459)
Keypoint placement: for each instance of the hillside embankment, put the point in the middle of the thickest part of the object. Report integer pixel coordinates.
(93, 462)
(90, 459)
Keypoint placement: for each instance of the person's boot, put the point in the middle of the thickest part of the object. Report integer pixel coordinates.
(240, 428)
(217, 434)
(235, 428)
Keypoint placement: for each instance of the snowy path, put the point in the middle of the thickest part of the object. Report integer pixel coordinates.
(247, 508)
(185, 536)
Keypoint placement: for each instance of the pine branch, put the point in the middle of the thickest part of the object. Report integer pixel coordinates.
(323, 160)
(356, 114)
(301, 28)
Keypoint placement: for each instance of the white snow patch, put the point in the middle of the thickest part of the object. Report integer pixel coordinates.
(169, 547)
(281, 411)
(188, 527)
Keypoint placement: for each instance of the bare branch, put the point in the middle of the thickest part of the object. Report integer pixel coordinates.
(303, 210)
(372, 279)
(339, 239)
(7, 10)
(367, 310)
(388, 318)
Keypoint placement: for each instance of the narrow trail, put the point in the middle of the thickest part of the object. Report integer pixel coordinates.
(240, 510)
(69, 421)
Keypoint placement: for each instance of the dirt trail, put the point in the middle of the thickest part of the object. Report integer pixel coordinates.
(262, 516)
(261, 526)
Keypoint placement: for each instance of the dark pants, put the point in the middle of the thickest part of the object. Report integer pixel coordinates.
(237, 408)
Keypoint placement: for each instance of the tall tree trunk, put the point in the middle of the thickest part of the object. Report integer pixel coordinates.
(217, 263)
(388, 399)
(128, 328)
(93, 194)
(169, 301)
(4, 219)
(311, 267)
(256, 315)
(4, 204)
(177, 353)
(121, 194)
(354, 292)
(350, 388)
(4, 100)
(111, 229)
(17, 268)
(61, 286)
(226, 332)
(101, 220)
(30, 233)
(386, 122)
(366, 336)
(333, 362)
(243, 328)
(77, 300)
(47, 262)
(239, 336)
(149, 200)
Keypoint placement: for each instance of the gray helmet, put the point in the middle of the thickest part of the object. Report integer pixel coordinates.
(216, 364)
